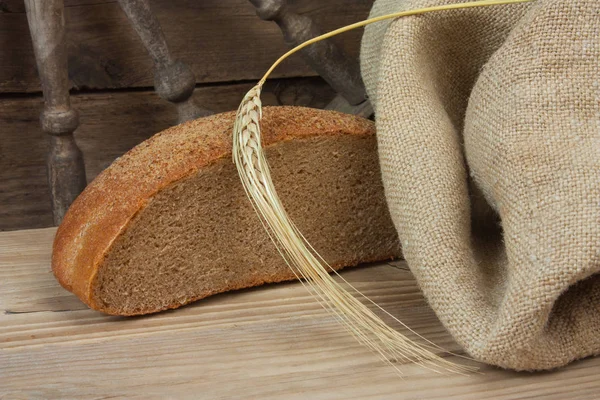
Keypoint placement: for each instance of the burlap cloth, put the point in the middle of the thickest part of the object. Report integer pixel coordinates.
(497, 106)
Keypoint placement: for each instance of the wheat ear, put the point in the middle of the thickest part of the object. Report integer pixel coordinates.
(300, 256)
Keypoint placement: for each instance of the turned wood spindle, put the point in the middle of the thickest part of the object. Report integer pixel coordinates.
(66, 170)
(328, 60)
(173, 80)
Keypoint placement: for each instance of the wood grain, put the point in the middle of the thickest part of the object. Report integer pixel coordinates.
(66, 171)
(273, 342)
(111, 124)
(221, 40)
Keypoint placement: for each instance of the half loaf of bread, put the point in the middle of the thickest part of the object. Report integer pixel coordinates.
(169, 222)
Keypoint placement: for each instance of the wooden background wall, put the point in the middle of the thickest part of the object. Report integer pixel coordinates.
(225, 43)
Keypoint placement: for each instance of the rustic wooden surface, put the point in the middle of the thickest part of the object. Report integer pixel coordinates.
(225, 43)
(273, 342)
(221, 40)
(111, 124)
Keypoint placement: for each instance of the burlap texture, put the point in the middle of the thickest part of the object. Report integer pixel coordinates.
(496, 107)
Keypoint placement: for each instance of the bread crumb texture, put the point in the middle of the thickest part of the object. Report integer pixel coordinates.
(169, 222)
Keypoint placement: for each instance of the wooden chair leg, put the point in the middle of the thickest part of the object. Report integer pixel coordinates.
(66, 170)
(173, 80)
(328, 60)
(339, 103)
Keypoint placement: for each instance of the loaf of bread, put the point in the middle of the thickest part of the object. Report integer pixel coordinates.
(169, 222)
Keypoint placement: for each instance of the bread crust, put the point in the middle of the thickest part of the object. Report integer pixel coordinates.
(103, 211)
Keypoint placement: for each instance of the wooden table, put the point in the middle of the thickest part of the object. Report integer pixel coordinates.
(273, 342)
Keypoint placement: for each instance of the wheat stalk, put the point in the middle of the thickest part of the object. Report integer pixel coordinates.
(300, 256)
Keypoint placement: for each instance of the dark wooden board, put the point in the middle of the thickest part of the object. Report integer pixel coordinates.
(222, 40)
(111, 124)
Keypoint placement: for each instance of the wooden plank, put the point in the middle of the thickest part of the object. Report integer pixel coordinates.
(111, 124)
(222, 40)
(270, 343)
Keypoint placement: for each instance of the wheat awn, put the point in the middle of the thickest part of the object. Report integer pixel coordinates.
(305, 262)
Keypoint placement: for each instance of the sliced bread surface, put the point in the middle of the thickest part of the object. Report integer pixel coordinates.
(169, 222)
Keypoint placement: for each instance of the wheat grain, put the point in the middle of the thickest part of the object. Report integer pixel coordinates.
(305, 262)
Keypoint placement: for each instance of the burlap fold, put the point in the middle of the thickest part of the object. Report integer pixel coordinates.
(489, 137)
